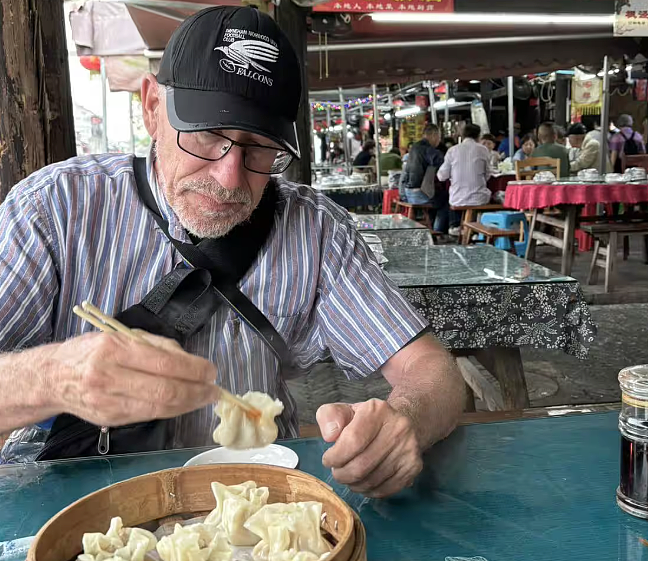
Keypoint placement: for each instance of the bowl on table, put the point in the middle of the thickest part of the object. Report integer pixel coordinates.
(589, 175)
(614, 178)
(635, 174)
(544, 177)
(183, 491)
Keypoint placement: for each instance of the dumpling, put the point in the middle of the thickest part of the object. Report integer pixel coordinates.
(118, 544)
(195, 542)
(234, 505)
(236, 430)
(288, 530)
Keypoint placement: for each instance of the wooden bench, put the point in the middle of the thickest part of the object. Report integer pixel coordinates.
(470, 214)
(409, 210)
(606, 238)
(491, 232)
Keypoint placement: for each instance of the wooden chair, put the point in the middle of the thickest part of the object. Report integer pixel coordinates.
(490, 233)
(471, 214)
(634, 161)
(409, 210)
(527, 169)
(606, 246)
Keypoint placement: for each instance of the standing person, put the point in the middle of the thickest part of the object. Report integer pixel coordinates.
(549, 148)
(529, 144)
(625, 142)
(366, 156)
(589, 149)
(468, 168)
(81, 229)
(422, 155)
(489, 141)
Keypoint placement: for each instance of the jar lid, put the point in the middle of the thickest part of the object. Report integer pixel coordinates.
(634, 381)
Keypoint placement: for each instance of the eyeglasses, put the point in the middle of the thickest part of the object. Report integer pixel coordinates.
(213, 146)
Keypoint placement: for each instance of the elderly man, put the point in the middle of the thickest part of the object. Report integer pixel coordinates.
(549, 147)
(588, 149)
(221, 114)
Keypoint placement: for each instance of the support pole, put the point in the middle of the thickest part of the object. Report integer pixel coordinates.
(511, 117)
(345, 140)
(433, 113)
(130, 122)
(104, 108)
(376, 117)
(313, 136)
(447, 106)
(36, 120)
(292, 21)
(605, 116)
(328, 130)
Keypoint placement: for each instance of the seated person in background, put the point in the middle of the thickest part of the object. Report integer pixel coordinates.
(550, 149)
(468, 168)
(366, 156)
(489, 141)
(589, 148)
(390, 161)
(504, 144)
(424, 154)
(626, 141)
(529, 144)
(561, 135)
(448, 142)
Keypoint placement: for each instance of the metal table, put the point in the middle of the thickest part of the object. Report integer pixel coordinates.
(487, 303)
(508, 491)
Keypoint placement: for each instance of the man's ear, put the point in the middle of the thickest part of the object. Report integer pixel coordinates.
(151, 104)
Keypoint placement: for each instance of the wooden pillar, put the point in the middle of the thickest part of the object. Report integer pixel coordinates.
(292, 21)
(36, 120)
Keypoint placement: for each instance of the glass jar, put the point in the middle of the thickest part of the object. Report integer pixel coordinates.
(632, 494)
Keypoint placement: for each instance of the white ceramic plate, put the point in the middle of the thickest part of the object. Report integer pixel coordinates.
(274, 455)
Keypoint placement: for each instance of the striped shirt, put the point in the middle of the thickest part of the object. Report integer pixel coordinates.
(77, 230)
(468, 168)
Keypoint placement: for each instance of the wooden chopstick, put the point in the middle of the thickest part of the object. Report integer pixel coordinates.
(108, 324)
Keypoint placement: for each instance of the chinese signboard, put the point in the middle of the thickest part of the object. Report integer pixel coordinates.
(368, 6)
(631, 18)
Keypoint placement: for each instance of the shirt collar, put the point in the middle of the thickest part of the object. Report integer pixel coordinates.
(469, 140)
(176, 229)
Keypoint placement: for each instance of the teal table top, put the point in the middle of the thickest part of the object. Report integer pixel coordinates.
(530, 490)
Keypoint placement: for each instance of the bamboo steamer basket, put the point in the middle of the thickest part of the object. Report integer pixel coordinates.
(188, 490)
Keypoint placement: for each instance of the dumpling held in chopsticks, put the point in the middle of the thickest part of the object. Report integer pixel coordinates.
(289, 532)
(237, 430)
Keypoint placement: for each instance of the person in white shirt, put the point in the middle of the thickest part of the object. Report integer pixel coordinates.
(468, 168)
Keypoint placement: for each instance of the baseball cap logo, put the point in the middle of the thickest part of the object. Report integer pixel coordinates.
(244, 56)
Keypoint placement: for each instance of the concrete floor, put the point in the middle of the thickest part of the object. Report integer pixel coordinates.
(553, 378)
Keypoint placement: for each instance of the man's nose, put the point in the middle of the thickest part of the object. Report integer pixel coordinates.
(229, 171)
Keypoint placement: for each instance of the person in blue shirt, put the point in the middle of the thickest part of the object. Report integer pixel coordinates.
(529, 144)
(504, 145)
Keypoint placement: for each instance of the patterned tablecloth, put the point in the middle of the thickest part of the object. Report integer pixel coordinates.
(478, 297)
(525, 196)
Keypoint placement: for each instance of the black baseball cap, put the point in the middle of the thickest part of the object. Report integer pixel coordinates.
(231, 67)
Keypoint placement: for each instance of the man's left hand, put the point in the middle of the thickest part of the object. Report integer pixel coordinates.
(376, 451)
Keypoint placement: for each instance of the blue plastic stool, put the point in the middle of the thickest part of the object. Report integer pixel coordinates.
(507, 220)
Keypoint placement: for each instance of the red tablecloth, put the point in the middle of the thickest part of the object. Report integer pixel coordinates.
(527, 196)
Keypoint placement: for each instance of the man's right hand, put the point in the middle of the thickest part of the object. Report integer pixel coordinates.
(113, 380)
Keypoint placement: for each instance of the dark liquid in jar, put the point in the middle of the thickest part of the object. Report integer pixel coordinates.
(634, 470)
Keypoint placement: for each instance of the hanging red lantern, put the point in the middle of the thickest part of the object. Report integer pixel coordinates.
(92, 63)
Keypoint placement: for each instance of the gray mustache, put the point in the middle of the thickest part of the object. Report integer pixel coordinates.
(218, 192)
